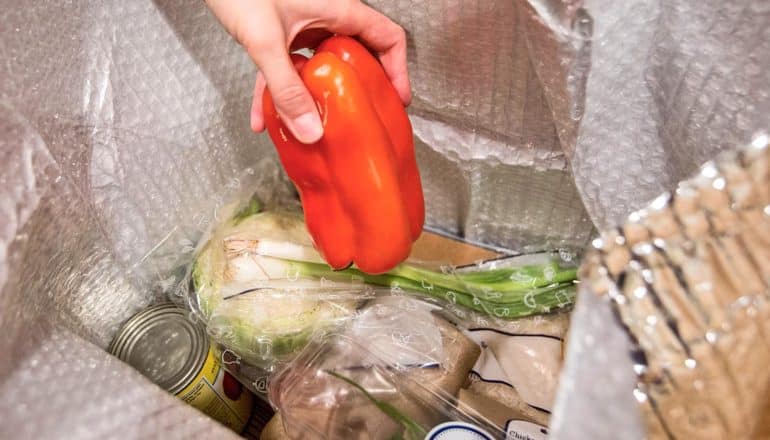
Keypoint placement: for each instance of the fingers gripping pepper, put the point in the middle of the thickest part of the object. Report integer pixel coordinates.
(359, 184)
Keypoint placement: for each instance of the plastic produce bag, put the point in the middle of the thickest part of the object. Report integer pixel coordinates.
(263, 291)
(340, 388)
(345, 384)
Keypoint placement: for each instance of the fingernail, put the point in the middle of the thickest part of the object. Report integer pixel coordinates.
(307, 127)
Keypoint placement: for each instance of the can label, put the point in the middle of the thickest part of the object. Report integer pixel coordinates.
(216, 393)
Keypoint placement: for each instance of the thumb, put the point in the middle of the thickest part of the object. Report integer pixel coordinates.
(290, 96)
(258, 28)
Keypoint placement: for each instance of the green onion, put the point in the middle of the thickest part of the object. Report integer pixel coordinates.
(507, 300)
(508, 293)
(413, 429)
(264, 289)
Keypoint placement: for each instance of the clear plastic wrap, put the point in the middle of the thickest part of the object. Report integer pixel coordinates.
(342, 388)
(348, 385)
(264, 294)
(263, 290)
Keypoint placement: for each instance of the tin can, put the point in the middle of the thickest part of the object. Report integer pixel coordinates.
(174, 352)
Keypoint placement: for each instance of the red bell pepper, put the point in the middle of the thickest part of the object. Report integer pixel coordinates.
(359, 184)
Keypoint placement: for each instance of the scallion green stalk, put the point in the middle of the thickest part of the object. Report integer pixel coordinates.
(509, 293)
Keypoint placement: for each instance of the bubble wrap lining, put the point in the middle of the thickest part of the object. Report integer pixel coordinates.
(64, 370)
(124, 126)
(671, 85)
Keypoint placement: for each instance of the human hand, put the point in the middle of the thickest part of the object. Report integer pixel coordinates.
(270, 29)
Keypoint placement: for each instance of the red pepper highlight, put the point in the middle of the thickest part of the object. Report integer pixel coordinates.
(359, 184)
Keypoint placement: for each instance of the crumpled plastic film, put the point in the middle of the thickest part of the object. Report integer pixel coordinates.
(470, 198)
(121, 126)
(68, 388)
(59, 278)
(488, 88)
(497, 97)
(671, 84)
(149, 86)
(595, 398)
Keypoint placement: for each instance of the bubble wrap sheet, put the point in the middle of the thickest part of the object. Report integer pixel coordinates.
(118, 131)
(671, 85)
(123, 125)
(497, 91)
